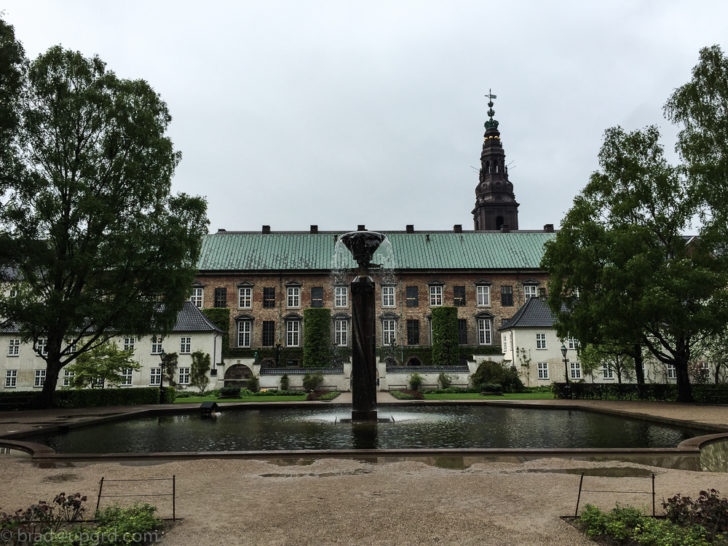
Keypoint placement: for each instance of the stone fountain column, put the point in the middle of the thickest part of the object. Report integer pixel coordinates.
(362, 245)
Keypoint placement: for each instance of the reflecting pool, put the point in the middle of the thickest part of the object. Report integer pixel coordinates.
(417, 427)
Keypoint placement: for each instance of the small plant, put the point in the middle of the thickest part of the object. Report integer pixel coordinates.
(415, 382)
(253, 384)
(285, 382)
(444, 380)
(312, 381)
(137, 520)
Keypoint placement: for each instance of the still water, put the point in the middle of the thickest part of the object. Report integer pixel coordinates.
(416, 427)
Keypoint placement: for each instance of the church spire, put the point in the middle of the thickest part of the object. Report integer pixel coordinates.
(495, 203)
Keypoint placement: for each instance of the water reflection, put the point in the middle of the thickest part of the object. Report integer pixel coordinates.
(417, 427)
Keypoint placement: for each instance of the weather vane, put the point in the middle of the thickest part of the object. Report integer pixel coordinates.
(490, 96)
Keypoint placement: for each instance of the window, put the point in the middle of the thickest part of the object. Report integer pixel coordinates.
(156, 345)
(317, 296)
(573, 343)
(575, 368)
(67, 378)
(341, 332)
(463, 331)
(155, 376)
(70, 346)
(543, 370)
(42, 345)
(39, 378)
(184, 376)
(13, 293)
(484, 332)
(221, 297)
(269, 298)
(435, 295)
(293, 296)
(671, 371)
(530, 291)
(196, 297)
(389, 331)
(506, 296)
(11, 379)
(413, 332)
(388, 296)
(269, 333)
(458, 296)
(293, 333)
(482, 293)
(341, 296)
(412, 296)
(540, 341)
(129, 343)
(607, 372)
(245, 297)
(243, 333)
(184, 345)
(126, 376)
(14, 347)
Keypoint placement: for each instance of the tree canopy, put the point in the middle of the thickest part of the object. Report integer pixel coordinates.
(623, 266)
(90, 233)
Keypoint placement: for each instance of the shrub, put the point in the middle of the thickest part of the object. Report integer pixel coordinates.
(168, 395)
(491, 388)
(444, 380)
(285, 382)
(316, 338)
(253, 384)
(407, 395)
(312, 381)
(709, 511)
(415, 382)
(230, 392)
(494, 373)
(127, 523)
(445, 347)
(84, 398)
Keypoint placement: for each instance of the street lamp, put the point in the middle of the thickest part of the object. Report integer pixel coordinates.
(162, 354)
(566, 363)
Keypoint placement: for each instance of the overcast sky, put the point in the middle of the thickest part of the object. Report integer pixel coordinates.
(338, 113)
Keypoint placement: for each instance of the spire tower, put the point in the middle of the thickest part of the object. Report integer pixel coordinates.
(495, 204)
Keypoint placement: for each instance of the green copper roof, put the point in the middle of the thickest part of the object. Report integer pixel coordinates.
(295, 251)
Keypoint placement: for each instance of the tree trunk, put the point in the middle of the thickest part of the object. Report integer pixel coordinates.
(639, 367)
(684, 389)
(45, 397)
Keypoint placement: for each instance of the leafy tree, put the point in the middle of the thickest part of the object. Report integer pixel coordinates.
(715, 351)
(618, 359)
(199, 370)
(622, 249)
(445, 347)
(12, 68)
(105, 362)
(96, 242)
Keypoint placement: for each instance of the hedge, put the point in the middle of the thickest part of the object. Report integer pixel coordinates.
(84, 398)
(704, 394)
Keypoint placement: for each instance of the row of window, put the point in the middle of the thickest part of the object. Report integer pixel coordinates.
(571, 342)
(341, 296)
(185, 345)
(341, 332)
(155, 377)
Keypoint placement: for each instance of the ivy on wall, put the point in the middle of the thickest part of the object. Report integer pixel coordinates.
(445, 348)
(317, 338)
(220, 317)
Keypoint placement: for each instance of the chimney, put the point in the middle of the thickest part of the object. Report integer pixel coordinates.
(542, 294)
(548, 228)
(221, 230)
(266, 229)
(314, 228)
(361, 227)
(410, 228)
(457, 228)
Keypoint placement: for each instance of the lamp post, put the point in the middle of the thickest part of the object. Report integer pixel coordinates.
(566, 363)
(162, 354)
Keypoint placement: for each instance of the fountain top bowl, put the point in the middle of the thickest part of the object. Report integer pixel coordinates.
(362, 245)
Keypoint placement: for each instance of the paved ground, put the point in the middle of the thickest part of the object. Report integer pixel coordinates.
(339, 501)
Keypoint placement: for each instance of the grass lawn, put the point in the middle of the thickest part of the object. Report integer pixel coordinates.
(477, 396)
(200, 399)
